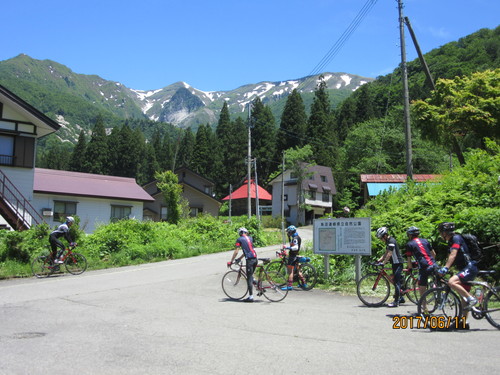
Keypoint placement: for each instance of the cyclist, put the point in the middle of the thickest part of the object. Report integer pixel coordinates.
(460, 257)
(245, 242)
(393, 254)
(61, 231)
(293, 252)
(422, 250)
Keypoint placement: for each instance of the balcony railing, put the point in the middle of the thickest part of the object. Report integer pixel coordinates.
(17, 203)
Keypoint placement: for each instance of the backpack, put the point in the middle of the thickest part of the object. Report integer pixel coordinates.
(475, 252)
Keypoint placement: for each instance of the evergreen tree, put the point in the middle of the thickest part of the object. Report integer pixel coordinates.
(148, 165)
(293, 124)
(320, 133)
(168, 184)
(263, 139)
(203, 153)
(127, 151)
(76, 161)
(223, 137)
(186, 149)
(96, 158)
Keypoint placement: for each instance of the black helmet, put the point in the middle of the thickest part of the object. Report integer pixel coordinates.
(381, 232)
(413, 231)
(446, 227)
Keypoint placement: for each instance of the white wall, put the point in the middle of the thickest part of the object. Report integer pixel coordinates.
(91, 211)
(22, 178)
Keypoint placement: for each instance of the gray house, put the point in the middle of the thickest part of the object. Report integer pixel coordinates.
(318, 191)
(196, 189)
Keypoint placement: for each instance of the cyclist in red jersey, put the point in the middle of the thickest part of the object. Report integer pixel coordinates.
(245, 243)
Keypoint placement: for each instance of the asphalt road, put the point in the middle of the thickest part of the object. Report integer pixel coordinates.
(173, 318)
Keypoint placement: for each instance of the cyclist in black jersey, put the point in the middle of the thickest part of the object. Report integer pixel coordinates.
(61, 231)
(245, 243)
(393, 254)
(293, 252)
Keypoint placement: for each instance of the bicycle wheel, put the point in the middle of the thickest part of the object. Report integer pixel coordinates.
(234, 284)
(439, 302)
(278, 268)
(42, 266)
(373, 289)
(412, 288)
(270, 289)
(492, 307)
(310, 275)
(75, 263)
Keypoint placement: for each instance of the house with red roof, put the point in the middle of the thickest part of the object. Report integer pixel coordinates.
(30, 196)
(239, 198)
(95, 199)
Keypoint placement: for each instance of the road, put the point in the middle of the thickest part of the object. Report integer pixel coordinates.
(173, 318)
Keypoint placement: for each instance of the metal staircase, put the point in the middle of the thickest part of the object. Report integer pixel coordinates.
(15, 208)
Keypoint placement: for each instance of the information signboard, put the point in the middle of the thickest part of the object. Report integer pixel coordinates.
(342, 236)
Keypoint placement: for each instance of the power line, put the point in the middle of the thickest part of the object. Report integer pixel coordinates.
(334, 50)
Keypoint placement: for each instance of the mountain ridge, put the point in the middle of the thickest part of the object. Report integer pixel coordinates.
(60, 93)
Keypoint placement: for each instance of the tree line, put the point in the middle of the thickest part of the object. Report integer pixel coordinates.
(364, 134)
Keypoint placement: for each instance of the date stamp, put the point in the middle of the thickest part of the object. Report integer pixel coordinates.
(432, 322)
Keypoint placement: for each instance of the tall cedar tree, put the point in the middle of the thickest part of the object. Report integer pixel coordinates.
(76, 161)
(96, 154)
(263, 139)
(320, 133)
(203, 154)
(293, 124)
(186, 150)
(148, 165)
(223, 136)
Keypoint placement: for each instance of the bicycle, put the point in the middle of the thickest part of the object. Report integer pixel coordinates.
(301, 265)
(446, 304)
(268, 284)
(374, 288)
(75, 263)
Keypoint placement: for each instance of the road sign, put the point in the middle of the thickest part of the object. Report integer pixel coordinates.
(342, 236)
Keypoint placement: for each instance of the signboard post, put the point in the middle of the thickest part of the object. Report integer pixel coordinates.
(342, 236)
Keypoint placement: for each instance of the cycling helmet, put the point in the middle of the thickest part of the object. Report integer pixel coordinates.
(242, 230)
(446, 227)
(291, 229)
(381, 232)
(413, 231)
(70, 219)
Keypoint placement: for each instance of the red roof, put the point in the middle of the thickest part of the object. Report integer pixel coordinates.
(242, 192)
(397, 177)
(53, 181)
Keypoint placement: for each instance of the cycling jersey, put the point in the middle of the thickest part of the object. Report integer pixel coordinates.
(392, 245)
(246, 244)
(62, 230)
(457, 243)
(421, 250)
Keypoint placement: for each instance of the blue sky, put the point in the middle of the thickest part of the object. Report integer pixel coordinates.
(216, 45)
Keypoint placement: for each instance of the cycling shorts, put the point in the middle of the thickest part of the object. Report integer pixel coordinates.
(469, 273)
(424, 273)
(292, 258)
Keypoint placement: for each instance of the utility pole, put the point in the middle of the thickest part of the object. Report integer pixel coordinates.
(406, 95)
(249, 161)
(283, 199)
(256, 181)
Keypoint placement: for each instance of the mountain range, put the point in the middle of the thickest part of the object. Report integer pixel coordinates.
(75, 100)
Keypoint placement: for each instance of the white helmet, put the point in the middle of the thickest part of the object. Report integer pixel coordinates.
(70, 219)
(242, 230)
(381, 232)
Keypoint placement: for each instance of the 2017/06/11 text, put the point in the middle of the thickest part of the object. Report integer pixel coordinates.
(432, 322)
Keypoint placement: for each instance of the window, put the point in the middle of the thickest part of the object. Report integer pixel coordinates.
(120, 212)
(6, 150)
(324, 179)
(207, 189)
(326, 197)
(311, 195)
(63, 209)
(163, 213)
